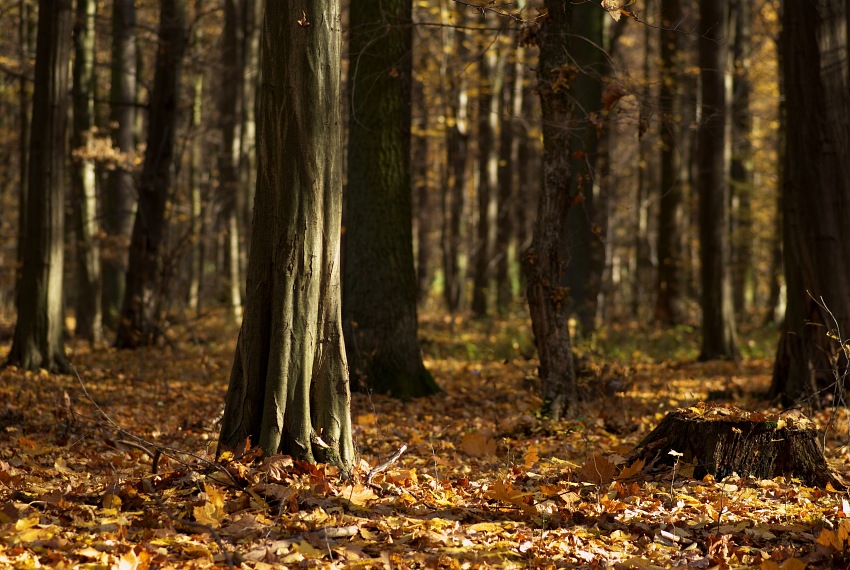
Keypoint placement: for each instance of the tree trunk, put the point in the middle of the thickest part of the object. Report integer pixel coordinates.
(741, 165)
(423, 212)
(119, 197)
(252, 20)
(289, 384)
(25, 49)
(719, 338)
(667, 288)
(83, 187)
(379, 284)
(810, 363)
(491, 79)
(542, 262)
(37, 342)
(196, 252)
(584, 248)
(454, 188)
(140, 322)
(229, 105)
(724, 440)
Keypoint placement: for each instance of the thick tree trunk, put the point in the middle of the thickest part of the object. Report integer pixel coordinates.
(719, 337)
(229, 105)
(721, 441)
(810, 363)
(25, 49)
(83, 187)
(252, 20)
(379, 284)
(37, 342)
(119, 197)
(585, 252)
(667, 287)
(140, 321)
(289, 384)
(542, 262)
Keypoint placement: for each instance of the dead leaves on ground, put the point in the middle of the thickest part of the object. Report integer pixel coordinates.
(484, 483)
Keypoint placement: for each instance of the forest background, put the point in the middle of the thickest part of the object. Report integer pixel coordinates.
(689, 186)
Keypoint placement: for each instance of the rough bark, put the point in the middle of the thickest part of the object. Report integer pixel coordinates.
(719, 337)
(83, 189)
(379, 284)
(816, 204)
(289, 383)
(667, 286)
(37, 342)
(721, 441)
(119, 197)
(543, 263)
(140, 320)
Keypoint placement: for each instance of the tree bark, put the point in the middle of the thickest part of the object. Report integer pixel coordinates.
(83, 181)
(585, 251)
(721, 441)
(810, 363)
(719, 337)
(542, 262)
(668, 283)
(379, 284)
(140, 321)
(289, 384)
(196, 172)
(37, 342)
(119, 197)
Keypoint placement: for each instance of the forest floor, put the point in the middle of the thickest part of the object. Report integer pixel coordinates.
(484, 482)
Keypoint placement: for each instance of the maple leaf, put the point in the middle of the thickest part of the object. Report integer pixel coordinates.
(597, 470)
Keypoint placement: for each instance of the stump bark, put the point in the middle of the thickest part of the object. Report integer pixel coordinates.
(721, 440)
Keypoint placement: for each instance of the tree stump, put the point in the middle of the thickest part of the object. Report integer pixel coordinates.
(721, 440)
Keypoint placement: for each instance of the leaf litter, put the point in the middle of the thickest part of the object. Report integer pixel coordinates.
(470, 478)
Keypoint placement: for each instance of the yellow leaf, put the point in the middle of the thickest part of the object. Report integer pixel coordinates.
(308, 551)
(631, 470)
(357, 494)
(478, 445)
(530, 457)
(111, 501)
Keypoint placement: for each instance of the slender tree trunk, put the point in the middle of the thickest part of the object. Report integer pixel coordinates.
(719, 338)
(24, 107)
(741, 167)
(289, 384)
(542, 262)
(229, 189)
(252, 20)
(668, 283)
(584, 248)
(424, 215)
(140, 321)
(196, 171)
(492, 66)
(119, 197)
(379, 285)
(810, 363)
(83, 179)
(37, 342)
(640, 262)
(454, 190)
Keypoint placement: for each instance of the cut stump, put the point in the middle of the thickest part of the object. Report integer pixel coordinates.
(721, 440)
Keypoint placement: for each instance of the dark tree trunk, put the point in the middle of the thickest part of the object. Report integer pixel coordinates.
(719, 338)
(37, 342)
(379, 283)
(230, 94)
(816, 204)
(542, 262)
(119, 197)
(667, 288)
(488, 108)
(724, 440)
(289, 384)
(140, 321)
(25, 48)
(252, 20)
(585, 251)
(83, 180)
(423, 209)
(741, 165)
(509, 166)
(196, 174)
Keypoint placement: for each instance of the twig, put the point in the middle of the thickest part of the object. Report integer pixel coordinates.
(192, 525)
(386, 464)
